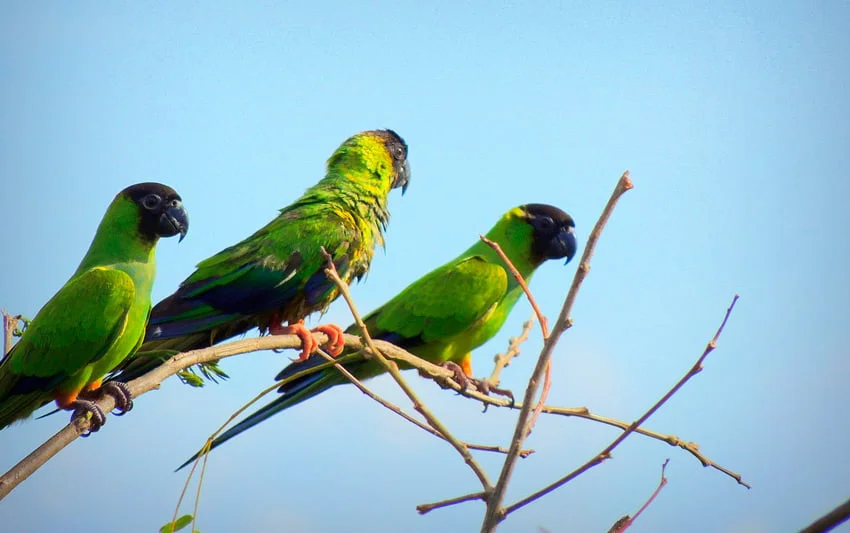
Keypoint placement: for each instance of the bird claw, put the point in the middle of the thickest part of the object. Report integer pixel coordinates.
(84, 407)
(482, 385)
(459, 376)
(121, 393)
(336, 341)
(334, 346)
(308, 343)
(486, 388)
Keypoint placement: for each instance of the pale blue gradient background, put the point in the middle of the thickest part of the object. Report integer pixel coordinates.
(733, 119)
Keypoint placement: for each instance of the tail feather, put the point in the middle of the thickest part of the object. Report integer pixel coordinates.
(307, 387)
(16, 407)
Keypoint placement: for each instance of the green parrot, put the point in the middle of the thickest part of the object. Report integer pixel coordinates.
(98, 317)
(445, 314)
(277, 274)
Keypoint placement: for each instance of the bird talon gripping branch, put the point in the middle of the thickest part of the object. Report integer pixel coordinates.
(336, 341)
(462, 379)
(308, 343)
(121, 393)
(84, 407)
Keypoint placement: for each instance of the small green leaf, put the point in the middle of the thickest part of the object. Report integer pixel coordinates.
(190, 378)
(177, 525)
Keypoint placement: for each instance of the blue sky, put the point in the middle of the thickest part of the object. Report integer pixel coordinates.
(733, 119)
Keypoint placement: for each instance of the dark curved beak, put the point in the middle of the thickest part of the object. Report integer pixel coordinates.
(567, 242)
(403, 178)
(174, 220)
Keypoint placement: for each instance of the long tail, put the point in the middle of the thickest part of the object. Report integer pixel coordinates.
(293, 393)
(20, 396)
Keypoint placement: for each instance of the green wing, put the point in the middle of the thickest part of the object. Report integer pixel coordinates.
(77, 327)
(442, 304)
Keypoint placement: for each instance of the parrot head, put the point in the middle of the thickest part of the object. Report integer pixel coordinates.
(398, 150)
(161, 212)
(553, 232)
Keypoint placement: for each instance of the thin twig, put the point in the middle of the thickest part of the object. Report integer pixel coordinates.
(837, 516)
(672, 440)
(544, 323)
(428, 507)
(392, 368)
(689, 446)
(606, 453)
(544, 326)
(398, 410)
(514, 344)
(495, 513)
(625, 525)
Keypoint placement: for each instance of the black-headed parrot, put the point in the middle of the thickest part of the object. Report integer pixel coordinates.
(98, 318)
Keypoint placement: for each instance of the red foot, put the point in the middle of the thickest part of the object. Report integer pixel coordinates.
(336, 342)
(308, 343)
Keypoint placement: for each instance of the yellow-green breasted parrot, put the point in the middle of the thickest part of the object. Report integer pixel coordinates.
(448, 312)
(277, 274)
(98, 317)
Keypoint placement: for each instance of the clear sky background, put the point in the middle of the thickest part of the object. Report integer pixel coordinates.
(733, 118)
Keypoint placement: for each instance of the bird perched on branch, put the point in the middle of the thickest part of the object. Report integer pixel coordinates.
(276, 275)
(445, 314)
(98, 317)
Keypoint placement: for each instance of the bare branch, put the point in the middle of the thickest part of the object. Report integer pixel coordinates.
(400, 412)
(495, 513)
(606, 453)
(181, 361)
(837, 516)
(514, 344)
(689, 446)
(428, 507)
(544, 324)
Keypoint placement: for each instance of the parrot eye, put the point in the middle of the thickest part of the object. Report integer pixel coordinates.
(151, 201)
(398, 152)
(545, 223)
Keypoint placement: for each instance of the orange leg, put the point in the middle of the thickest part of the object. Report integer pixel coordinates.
(94, 385)
(65, 400)
(466, 365)
(308, 343)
